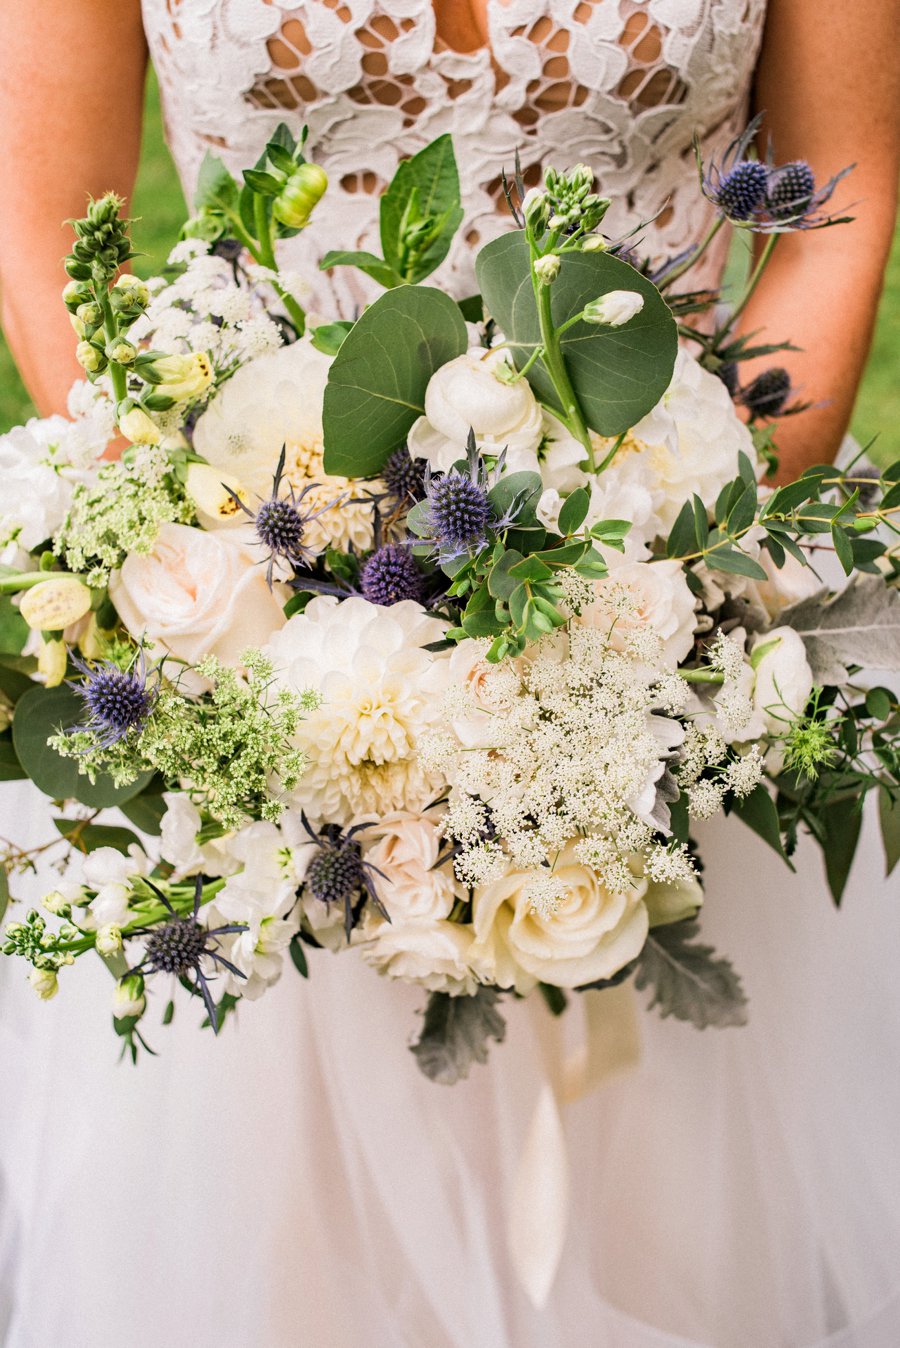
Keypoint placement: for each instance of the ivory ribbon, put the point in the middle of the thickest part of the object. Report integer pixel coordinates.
(539, 1201)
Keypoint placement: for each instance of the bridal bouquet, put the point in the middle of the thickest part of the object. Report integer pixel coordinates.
(428, 636)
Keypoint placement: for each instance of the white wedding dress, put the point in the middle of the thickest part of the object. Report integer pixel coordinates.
(298, 1181)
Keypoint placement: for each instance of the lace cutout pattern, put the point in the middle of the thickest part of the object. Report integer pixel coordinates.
(619, 84)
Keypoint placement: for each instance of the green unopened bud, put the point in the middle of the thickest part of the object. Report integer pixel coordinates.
(129, 293)
(613, 309)
(56, 902)
(301, 193)
(594, 243)
(90, 357)
(108, 940)
(121, 351)
(44, 982)
(75, 294)
(546, 269)
(535, 209)
(90, 314)
(581, 180)
(78, 270)
(129, 1001)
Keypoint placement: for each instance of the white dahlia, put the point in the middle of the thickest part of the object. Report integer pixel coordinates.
(381, 692)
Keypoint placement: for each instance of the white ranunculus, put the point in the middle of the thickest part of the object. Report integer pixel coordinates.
(593, 934)
(784, 679)
(662, 601)
(380, 693)
(405, 851)
(196, 594)
(270, 402)
(434, 954)
(469, 392)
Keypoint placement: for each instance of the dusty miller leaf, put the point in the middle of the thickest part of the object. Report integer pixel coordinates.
(455, 1034)
(689, 981)
(859, 626)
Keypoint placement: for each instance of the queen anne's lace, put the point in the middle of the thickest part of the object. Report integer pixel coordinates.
(619, 84)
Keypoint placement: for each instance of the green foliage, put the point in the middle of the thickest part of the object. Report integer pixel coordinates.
(689, 981)
(455, 1034)
(377, 381)
(618, 374)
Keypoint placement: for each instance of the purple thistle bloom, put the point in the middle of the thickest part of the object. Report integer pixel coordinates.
(789, 199)
(404, 476)
(461, 517)
(338, 873)
(180, 945)
(280, 523)
(116, 700)
(766, 395)
(390, 575)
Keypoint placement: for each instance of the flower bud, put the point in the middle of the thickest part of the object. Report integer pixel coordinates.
(121, 351)
(81, 331)
(90, 642)
(54, 604)
(297, 199)
(75, 294)
(140, 429)
(213, 493)
(593, 243)
(179, 377)
(129, 293)
(56, 903)
(79, 271)
(108, 940)
(90, 314)
(129, 1001)
(90, 357)
(44, 982)
(614, 309)
(535, 210)
(546, 269)
(52, 660)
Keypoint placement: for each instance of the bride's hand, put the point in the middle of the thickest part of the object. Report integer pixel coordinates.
(71, 102)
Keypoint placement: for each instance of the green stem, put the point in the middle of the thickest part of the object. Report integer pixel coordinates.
(754, 280)
(183, 905)
(555, 365)
(520, 374)
(700, 676)
(111, 328)
(24, 580)
(266, 256)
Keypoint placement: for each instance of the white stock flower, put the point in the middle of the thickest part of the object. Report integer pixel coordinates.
(588, 933)
(614, 308)
(784, 679)
(381, 692)
(641, 595)
(36, 498)
(469, 392)
(178, 828)
(44, 982)
(111, 873)
(196, 594)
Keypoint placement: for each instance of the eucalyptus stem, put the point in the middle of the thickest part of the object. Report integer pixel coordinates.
(555, 364)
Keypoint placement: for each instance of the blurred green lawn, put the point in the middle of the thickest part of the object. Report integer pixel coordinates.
(158, 207)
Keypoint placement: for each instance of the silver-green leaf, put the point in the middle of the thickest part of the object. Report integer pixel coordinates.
(455, 1034)
(689, 981)
(859, 626)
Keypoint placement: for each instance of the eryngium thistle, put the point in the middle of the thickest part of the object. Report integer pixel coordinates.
(790, 190)
(404, 476)
(176, 947)
(279, 527)
(338, 873)
(117, 700)
(742, 190)
(768, 392)
(391, 575)
(460, 512)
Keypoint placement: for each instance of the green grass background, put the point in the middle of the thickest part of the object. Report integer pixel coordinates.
(159, 210)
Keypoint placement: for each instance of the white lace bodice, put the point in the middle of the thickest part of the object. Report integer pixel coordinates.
(619, 84)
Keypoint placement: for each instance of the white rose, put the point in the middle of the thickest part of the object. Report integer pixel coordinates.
(433, 954)
(784, 679)
(270, 402)
(593, 934)
(468, 392)
(661, 599)
(196, 594)
(414, 888)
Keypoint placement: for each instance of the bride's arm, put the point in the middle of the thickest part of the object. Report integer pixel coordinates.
(829, 82)
(71, 98)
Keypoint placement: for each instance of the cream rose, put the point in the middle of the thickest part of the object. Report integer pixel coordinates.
(592, 934)
(469, 392)
(415, 887)
(432, 954)
(656, 596)
(196, 594)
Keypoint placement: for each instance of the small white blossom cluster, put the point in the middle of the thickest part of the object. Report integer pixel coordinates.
(565, 744)
(207, 309)
(707, 770)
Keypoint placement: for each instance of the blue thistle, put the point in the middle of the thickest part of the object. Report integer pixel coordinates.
(741, 191)
(790, 191)
(390, 575)
(460, 518)
(404, 476)
(117, 701)
(280, 523)
(180, 945)
(767, 394)
(338, 873)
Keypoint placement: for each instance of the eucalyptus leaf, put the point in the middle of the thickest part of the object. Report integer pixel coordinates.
(377, 381)
(146, 810)
(10, 768)
(689, 981)
(455, 1034)
(13, 627)
(618, 374)
(41, 713)
(841, 824)
(97, 835)
(759, 812)
(859, 626)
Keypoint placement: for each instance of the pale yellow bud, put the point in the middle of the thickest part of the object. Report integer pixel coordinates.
(183, 377)
(56, 903)
(140, 429)
(80, 329)
(51, 662)
(44, 982)
(89, 358)
(55, 603)
(108, 940)
(210, 490)
(128, 997)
